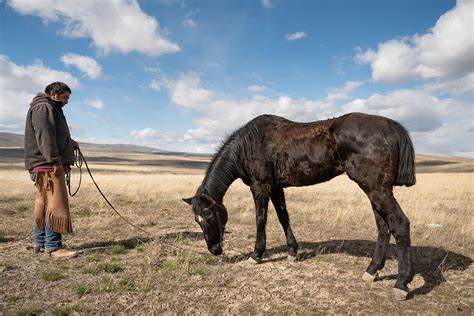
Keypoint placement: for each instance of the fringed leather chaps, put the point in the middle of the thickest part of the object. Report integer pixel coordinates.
(52, 203)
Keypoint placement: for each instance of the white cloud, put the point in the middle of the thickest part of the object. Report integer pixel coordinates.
(423, 114)
(213, 65)
(295, 36)
(95, 103)
(457, 87)
(395, 62)
(224, 115)
(189, 23)
(416, 110)
(155, 85)
(19, 84)
(152, 137)
(114, 26)
(256, 88)
(145, 133)
(180, 3)
(267, 4)
(451, 138)
(187, 92)
(85, 64)
(153, 69)
(337, 94)
(444, 52)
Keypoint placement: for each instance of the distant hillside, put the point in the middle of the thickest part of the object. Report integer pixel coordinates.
(119, 148)
(426, 164)
(11, 151)
(10, 140)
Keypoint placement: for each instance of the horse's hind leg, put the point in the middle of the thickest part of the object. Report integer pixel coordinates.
(399, 226)
(278, 200)
(380, 251)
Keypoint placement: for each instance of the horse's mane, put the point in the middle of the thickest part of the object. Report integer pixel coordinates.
(226, 165)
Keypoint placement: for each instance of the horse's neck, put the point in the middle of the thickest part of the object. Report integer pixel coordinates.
(219, 177)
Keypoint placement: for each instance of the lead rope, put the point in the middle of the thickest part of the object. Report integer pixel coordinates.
(79, 158)
(214, 202)
(78, 163)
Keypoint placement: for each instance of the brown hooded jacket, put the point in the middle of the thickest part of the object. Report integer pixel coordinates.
(47, 137)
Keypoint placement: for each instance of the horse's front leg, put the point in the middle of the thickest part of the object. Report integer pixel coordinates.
(278, 199)
(261, 196)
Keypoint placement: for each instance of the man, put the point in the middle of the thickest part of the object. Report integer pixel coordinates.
(49, 153)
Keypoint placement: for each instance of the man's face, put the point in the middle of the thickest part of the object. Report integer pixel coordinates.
(62, 97)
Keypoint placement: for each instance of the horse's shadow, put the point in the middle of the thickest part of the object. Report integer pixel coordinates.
(429, 262)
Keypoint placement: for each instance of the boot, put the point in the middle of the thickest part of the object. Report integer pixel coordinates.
(62, 253)
(38, 249)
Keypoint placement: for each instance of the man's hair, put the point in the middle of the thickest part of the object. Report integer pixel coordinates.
(57, 87)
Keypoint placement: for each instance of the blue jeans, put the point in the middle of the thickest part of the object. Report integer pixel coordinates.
(47, 239)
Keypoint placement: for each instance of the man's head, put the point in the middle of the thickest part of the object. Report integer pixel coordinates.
(58, 91)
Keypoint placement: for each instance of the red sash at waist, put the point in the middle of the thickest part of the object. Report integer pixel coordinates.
(49, 168)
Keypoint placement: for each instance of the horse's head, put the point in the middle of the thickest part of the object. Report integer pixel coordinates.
(212, 217)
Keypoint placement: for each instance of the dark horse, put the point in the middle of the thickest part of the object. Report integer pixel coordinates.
(270, 153)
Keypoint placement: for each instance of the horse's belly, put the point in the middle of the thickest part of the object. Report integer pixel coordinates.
(306, 160)
(305, 173)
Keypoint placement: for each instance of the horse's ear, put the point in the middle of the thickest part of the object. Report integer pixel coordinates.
(188, 200)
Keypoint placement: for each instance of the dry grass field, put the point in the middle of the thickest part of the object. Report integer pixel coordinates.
(123, 271)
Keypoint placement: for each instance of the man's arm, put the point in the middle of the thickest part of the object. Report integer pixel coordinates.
(44, 125)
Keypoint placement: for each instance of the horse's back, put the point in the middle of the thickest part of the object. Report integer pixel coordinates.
(295, 154)
(292, 153)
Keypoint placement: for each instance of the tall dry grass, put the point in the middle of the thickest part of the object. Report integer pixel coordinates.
(333, 221)
(439, 206)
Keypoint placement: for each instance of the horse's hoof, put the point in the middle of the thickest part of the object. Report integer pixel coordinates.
(251, 260)
(369, 277)
(399, 294)
(291, 258)
(293, 252)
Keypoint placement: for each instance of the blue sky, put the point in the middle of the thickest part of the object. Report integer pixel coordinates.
(181, 75)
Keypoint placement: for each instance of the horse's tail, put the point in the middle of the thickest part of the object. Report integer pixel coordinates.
(406, 158)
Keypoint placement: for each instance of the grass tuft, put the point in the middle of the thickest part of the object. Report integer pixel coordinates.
(127, 283)
(52, 276)
(22, 208)
(81, 289)
(12, 300)
(94, 257)
(169, 265)
(106, 284)
(28, 311)
(110, 267)
(116, 250)
(67, 310)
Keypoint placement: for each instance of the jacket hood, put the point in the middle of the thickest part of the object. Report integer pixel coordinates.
(44, 98)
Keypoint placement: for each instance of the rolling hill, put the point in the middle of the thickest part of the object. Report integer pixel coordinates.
(10, 140)
(11, 151)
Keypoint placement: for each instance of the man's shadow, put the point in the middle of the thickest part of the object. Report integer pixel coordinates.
(134, 242)
(429, 262)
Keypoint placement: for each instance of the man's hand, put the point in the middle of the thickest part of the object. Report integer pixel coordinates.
(75, 144)
(58, 169)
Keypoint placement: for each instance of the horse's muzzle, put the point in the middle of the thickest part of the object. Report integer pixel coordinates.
(215, 249)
